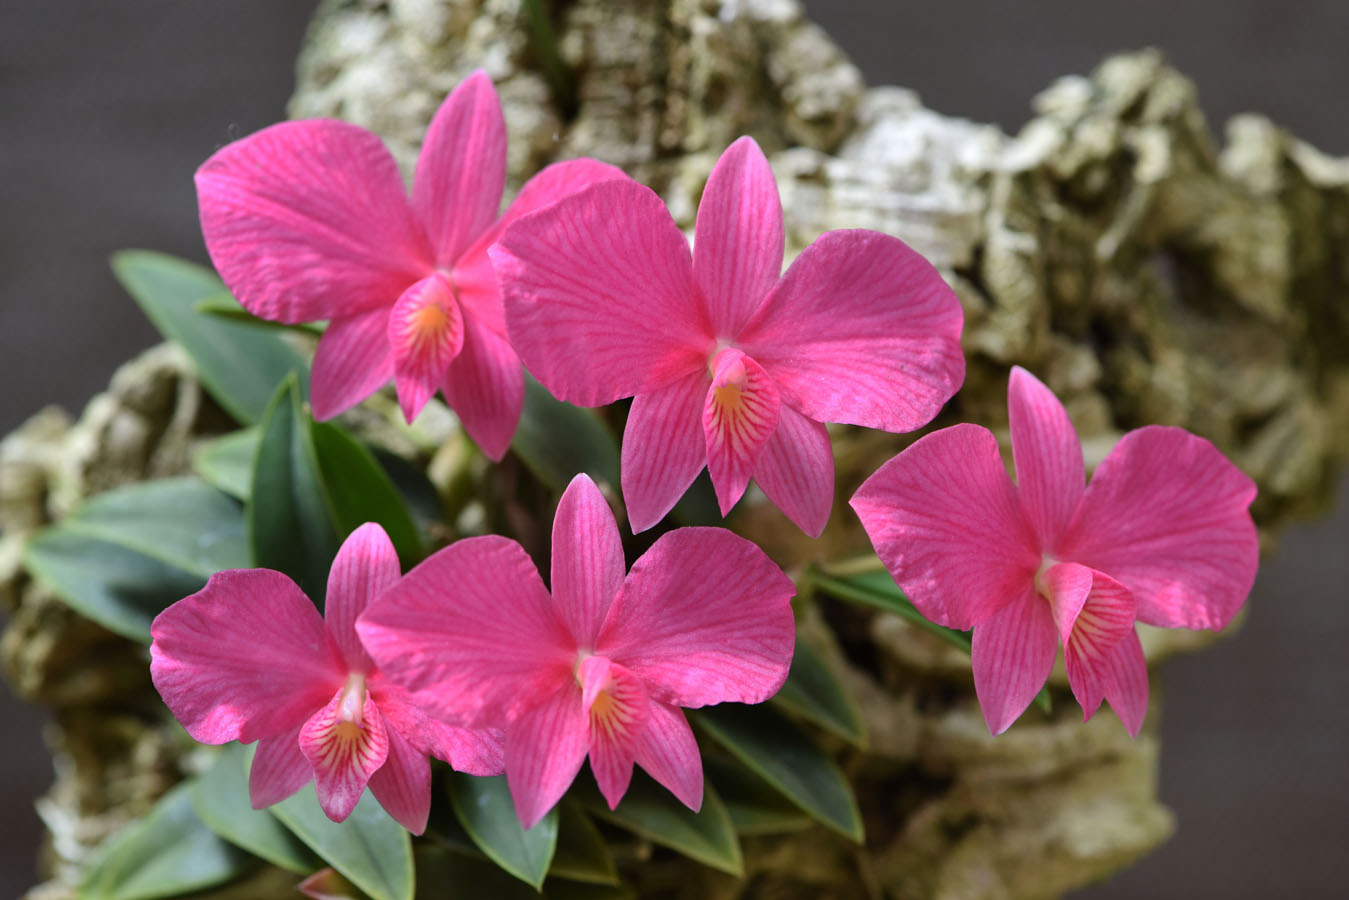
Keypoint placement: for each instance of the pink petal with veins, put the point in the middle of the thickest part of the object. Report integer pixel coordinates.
(667, 751)
(475, 751)
(309, 220)
(246, 657)
(403, 784)
(600, 297)
(344, 753)
(1013, 652)
(739, 237)
(1050, 477)
(461, 170)
(618, 707)
(353, 361)
(703, 617)
(664, 448)
(366, 565)
(587, 559)
(1126, 683)
(545, 748)
(485, 387)
(796, 470)
(945, 519)
(740, 414)
(426, 333)
(1167, 515)
(279, 769)
(471, 632)
(862, 330)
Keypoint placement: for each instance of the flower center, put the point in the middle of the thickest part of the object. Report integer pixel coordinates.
(1047, 562)
(350, 708)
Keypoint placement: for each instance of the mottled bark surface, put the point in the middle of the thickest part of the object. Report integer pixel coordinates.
(1146, 274)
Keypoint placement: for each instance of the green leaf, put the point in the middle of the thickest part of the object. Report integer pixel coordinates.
(125, 555)
(444, 873)
(167, 853)
(557, 441)
(370, 849)
(776, 749)
(290, 520)
(652, 812)
(227, 462)
(360, 491)
(812, 692)
(220, 798)
(230, 309)
(877, 589)
(755, 807)
(239, 365)
(486, 811)
(582, 853)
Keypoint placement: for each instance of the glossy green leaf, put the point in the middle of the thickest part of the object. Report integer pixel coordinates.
(125, 555)
(755, 807)
(370, 849)
(486, 811)
(230, 309)
(220, 798)
(226, 462)
(813, 692)
(290, 520)
(557, 441)
(877, 589)
(582, 853)
(775, 748)
(652, 812)
(360, 491)
(239, 365)
(167, 853)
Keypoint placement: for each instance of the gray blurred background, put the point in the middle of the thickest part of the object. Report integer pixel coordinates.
(107, 107)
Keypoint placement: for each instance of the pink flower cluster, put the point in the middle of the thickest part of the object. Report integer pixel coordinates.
(733, 366)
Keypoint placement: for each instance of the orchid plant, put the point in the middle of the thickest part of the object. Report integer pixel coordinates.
(465, 655)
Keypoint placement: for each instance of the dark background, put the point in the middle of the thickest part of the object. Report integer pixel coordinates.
(107, 107)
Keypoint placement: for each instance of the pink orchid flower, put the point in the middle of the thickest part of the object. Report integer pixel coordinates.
(1161, 534)
(248, 658)
(310, 220)
(600, 668)
(732, 365)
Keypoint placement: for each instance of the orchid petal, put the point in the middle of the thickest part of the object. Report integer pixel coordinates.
(471, 750)
(474, 279)
(740, 414)
(279, 769)
(426, 333)
(668, 752)
(1120, 674)
(403, 784)
(246, 657)
(862, 330)
(796, 470)
(587, 559)
(1166, 514)
(600, 297)
(739, 237)
(1092, 611)
(353, 361)
(471, 632)
(618, 707)
(365, 567)
(344, 751)
(663, 449)
(703, 617)
(946, 522)
(1050, 477)
(309, 220)
(485, 386)
(545, 748)
(1012, 654)
(461, 170)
